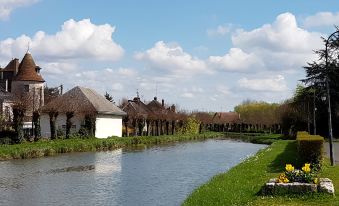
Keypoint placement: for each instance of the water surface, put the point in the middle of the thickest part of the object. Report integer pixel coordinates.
(163, 175)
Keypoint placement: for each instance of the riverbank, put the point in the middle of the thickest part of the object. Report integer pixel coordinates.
(255, 138)
(43, 148)
(241, 185)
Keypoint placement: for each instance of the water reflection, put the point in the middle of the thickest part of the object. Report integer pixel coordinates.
(155, 176)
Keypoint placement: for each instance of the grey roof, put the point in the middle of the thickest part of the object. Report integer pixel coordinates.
(82, 100)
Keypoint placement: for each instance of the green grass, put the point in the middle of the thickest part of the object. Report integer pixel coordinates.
(51, 147)
(242, 184)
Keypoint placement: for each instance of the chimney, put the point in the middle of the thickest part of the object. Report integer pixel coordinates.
(6, 85)
(173, 108)
(162, 102)
(155, 98)
(16, 66)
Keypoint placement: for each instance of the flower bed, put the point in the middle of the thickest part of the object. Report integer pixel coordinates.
(294, 181)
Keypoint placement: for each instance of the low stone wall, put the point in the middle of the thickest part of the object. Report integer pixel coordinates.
(272, 187)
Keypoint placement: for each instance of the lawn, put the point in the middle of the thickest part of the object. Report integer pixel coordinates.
(241, 185)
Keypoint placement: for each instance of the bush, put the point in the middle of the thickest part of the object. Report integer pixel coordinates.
(191, 126)
(310, 147)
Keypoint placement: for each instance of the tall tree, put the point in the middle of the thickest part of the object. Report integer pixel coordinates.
(320, 70)
(109, 97)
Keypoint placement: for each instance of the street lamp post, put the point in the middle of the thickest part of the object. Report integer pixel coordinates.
(329, 99)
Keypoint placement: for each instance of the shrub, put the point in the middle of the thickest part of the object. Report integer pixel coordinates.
(191, 126)
(310, 147)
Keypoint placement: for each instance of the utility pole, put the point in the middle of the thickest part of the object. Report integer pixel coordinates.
(314, 110)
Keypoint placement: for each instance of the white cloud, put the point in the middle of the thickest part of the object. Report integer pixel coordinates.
(270, 84)
(7, 6)
(127, 72)
(173, 59)
(58, 68)
(280, 46)
(322, 19)
(283, 35)
(187, 95)
(236, 60)
(76, 40)
(221, 30)
(224, 90)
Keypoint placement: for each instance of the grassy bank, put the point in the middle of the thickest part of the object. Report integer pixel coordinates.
(257, 138)
(52, 147)
(241, 185)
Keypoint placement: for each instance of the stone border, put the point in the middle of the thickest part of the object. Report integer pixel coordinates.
(273, 188)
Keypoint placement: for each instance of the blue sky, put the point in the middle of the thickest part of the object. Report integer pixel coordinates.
(199, 54)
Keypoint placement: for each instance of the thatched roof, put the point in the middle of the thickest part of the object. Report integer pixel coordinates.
(83, 100)
(27, 70)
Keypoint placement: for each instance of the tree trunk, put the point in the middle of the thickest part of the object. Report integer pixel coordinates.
(157, 127)
(69, 116)
(37, 129)
(167, 127)
(52, 119)
(18, 115)
(126, 128)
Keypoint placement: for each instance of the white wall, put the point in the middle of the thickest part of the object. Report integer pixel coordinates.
(108, 125)
(105, 125)
(61, 120)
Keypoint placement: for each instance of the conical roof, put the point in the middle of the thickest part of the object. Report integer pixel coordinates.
(27, 70)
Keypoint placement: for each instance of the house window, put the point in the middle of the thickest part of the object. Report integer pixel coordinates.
(26, 88)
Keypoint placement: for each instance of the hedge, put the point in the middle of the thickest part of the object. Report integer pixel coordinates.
(310, 147)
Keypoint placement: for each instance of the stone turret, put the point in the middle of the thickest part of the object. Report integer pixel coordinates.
(28, 82)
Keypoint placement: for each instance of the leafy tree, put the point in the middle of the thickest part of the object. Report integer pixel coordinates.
(319, 71)
(109, 97)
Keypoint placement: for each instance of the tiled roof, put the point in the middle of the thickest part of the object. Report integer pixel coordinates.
(11, 66)
(137, 107)
(83, 100)
(226, 117)
(156, 107)
(27, 70)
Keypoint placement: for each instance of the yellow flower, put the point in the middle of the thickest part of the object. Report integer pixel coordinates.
(289, 168)
(315, 180)
(306, 168)
(282, 178)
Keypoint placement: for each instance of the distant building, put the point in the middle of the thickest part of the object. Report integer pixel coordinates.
(83, 101)
(21, 82)
(226, 117)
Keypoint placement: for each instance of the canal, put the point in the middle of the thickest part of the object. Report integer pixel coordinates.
(163, 175)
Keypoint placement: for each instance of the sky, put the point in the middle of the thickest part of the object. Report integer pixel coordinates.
(199, 55)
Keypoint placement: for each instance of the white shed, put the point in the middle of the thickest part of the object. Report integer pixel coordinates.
(81, 101)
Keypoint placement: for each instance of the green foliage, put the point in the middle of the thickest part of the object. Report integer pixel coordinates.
(191, 126)
(310, 147)
(109, 97)
(253, 112)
